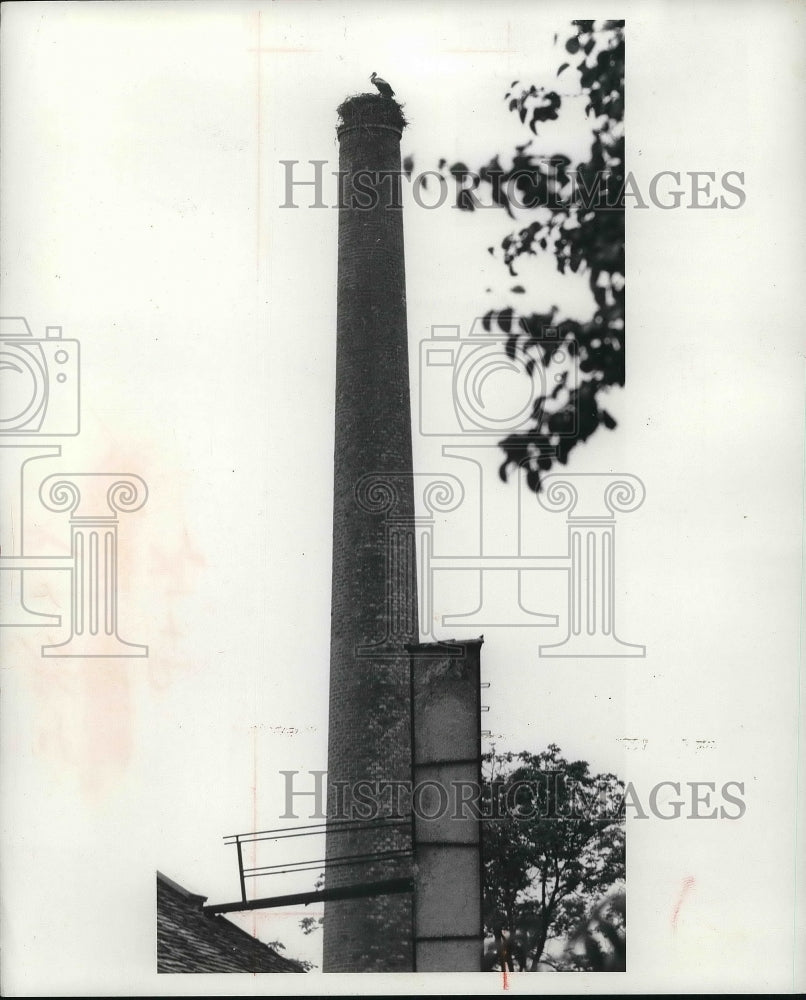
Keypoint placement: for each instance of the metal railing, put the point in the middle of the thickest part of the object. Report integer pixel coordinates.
(377, 887)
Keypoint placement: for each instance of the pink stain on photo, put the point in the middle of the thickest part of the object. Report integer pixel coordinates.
(687, 885)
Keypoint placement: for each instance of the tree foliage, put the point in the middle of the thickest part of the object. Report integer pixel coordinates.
(600, 941)
(311, 924)
(554, 851)
(576, 215)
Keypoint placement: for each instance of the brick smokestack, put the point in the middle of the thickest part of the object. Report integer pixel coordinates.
(374, 600)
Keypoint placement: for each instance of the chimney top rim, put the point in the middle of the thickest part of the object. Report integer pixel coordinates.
(368, 127)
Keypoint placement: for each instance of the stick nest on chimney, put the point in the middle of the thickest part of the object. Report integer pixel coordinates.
(371, 109)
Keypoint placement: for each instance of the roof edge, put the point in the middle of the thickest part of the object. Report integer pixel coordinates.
(179, 888)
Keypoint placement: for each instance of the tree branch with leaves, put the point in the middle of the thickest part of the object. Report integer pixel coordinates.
(576, 215)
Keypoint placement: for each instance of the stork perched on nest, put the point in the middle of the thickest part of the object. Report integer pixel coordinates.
(383, 87)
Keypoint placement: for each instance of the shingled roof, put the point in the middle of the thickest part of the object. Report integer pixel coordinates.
(189, 940)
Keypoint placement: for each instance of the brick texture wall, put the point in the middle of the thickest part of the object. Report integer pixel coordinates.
(369, 728)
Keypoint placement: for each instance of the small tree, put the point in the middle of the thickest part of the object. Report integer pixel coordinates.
(553, 849)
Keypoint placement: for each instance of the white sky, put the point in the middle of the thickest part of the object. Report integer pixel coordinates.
(140, 201)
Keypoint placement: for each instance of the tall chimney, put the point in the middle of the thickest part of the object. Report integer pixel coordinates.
(374, 599)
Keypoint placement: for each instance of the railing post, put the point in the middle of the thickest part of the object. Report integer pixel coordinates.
(240, 869)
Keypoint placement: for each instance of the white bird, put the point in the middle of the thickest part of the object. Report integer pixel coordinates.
(383, 87)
